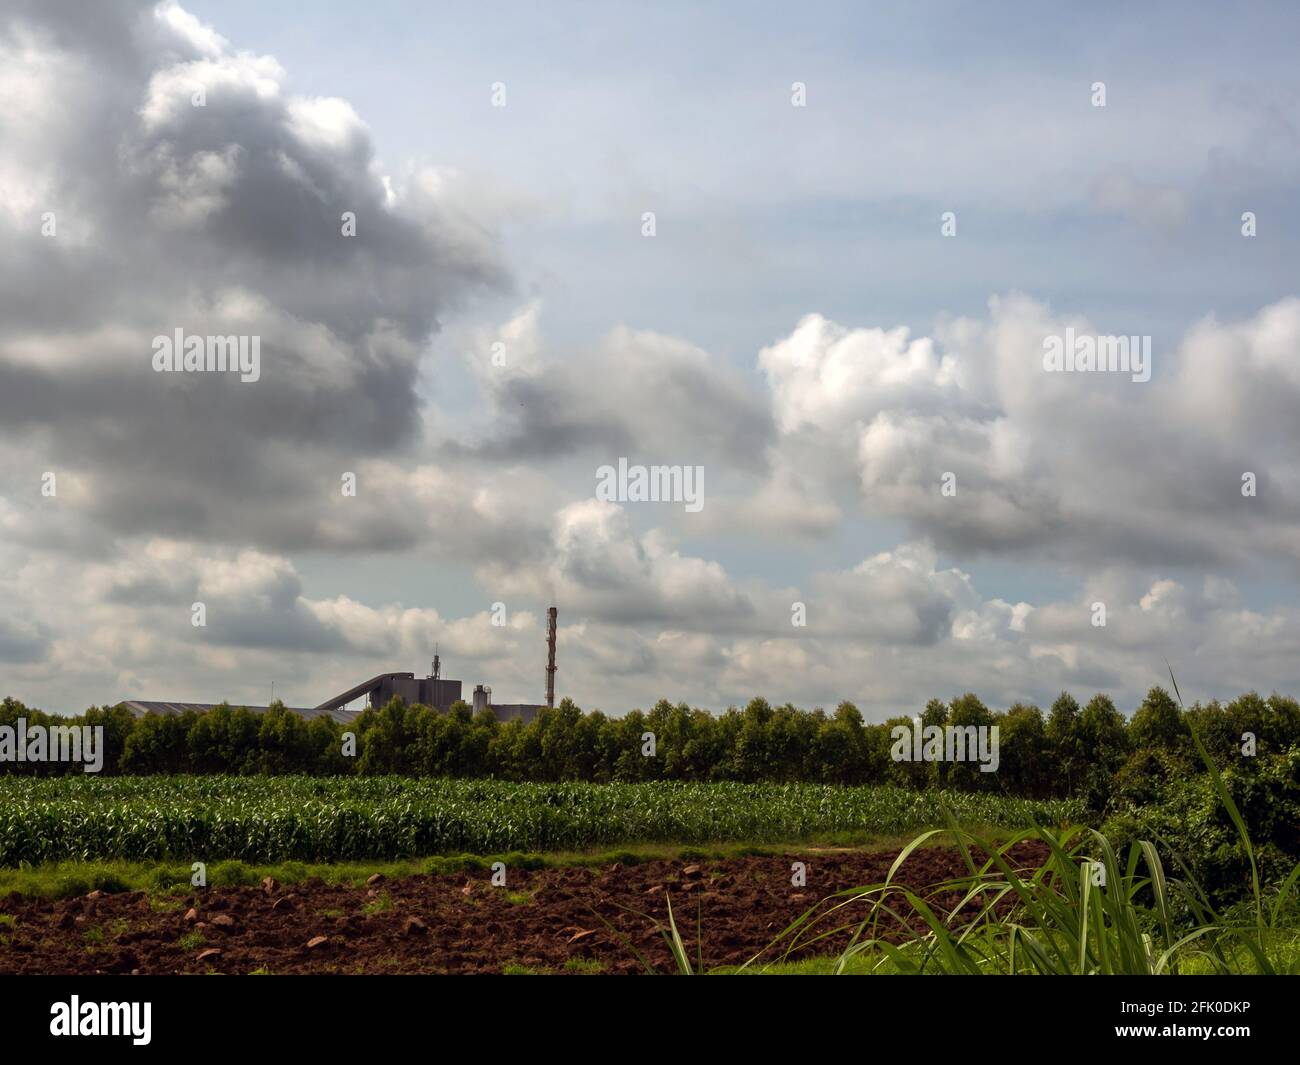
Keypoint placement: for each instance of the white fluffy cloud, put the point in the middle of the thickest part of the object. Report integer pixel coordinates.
(828, 377)
(1067, 466)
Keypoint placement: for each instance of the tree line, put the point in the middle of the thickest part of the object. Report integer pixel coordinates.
(1092, 752)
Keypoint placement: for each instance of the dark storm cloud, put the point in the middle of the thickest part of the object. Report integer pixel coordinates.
(223, 219)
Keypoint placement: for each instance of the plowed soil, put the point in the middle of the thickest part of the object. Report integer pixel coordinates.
(547, 919)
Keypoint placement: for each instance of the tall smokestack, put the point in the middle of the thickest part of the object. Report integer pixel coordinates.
(551, 615)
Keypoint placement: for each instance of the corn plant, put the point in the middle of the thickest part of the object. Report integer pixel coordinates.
(340, 818)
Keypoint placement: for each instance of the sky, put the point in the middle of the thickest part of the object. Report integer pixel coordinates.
(815, 252)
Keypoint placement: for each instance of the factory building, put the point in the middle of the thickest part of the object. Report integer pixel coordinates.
(524, 712)
(433, 691)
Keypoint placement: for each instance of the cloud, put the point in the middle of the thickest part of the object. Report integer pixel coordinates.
(599, 565)
(219, 219)
(828, 377)
(794, 501)
(638, 621)
(1076, 467)
(831, 442)
(893, 598)
(22, 641)
(1156, 206)
(634, 393)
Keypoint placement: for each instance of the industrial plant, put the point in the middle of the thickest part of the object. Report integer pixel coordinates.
(433, 691)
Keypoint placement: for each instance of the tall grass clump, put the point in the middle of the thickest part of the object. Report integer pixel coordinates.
(1081, 911)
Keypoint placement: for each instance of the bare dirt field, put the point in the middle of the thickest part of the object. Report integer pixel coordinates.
(546, 919)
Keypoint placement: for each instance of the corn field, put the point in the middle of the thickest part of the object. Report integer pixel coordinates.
(333, 819)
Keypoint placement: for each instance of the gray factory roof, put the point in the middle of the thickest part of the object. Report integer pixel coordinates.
(141, 707)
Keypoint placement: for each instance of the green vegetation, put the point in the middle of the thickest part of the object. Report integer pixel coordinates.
(1082, 912)
(519, 969)
(1141, 778)
(1185, 868)
(264, 819)
(1228, 831)
(1091, 752)
(382, 904)
(1186, 816)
